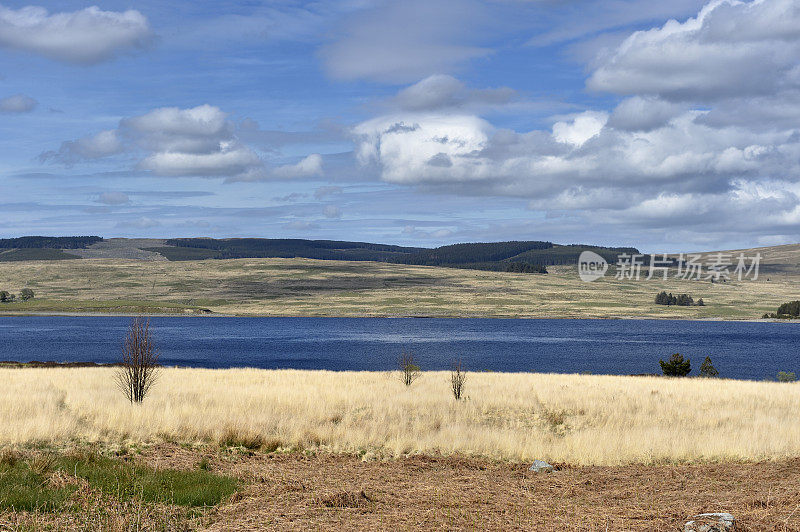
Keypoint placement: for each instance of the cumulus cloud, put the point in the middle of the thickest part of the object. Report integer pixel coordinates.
(398, 42)
(643, 114)
(731, 48)
(113, 198)
(199, 141)
(103, 144)
(681, 148)
(19, 103)
(86, 36)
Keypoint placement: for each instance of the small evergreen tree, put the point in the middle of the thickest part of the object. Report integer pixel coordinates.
(26, 294)
(700, 303)
(676, 366)
(707, 369)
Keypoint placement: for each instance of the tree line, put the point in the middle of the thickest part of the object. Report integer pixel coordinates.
(681, 300)
(49, 242)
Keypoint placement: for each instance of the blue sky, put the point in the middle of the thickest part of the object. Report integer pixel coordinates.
(668, 127)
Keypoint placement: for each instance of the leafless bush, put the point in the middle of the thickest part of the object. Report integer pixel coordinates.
(139, 369)
(409, 369)
(457, 378)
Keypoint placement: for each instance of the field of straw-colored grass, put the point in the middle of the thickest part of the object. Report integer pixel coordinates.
(580, 419)
(304, 287)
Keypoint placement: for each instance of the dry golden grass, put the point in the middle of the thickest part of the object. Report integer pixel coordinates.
(303, 287)
(579, 419)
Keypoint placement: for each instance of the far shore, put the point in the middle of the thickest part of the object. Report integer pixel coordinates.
(12, 314)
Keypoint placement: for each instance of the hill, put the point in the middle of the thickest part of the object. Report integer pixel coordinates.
(531, 256)
(491, 256)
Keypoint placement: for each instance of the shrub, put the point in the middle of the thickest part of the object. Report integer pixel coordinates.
(457, 378)
(26, 294)
(676, 366)
(409, 369)
(707, 369)
(139, 369)
(786, 376)
(6, 297)
(682, 300)
(790, 309)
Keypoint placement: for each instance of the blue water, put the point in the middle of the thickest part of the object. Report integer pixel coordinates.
(739, 350)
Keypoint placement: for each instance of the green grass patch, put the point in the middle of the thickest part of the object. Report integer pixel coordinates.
(170, 486)
(25, 483)
(24, 487)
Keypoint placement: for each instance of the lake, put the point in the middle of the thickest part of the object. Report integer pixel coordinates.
(739, 350)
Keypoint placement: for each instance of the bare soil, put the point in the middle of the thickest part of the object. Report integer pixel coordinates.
(335, 492)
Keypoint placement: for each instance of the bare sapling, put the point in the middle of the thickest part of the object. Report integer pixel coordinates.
(409, 369)
(139, 369)
(457, 378)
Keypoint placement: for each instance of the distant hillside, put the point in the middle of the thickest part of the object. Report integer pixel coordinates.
(49, 242)
(531, 256)
(495, 256)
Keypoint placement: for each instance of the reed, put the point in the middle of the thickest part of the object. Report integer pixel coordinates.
(580, 419)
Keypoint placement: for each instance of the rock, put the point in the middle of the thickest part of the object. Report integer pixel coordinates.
(540, 466)
(719, 522)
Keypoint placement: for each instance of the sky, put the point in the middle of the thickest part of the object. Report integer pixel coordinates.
(667, 126)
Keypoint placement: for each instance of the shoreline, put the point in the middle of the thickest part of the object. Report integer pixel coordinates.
(373, 316)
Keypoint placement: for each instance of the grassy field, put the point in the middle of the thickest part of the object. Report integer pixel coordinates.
(577, 419)
(304, 287)
(246, 449)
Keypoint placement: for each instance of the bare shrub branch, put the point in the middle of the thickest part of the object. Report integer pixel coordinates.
(139, 369)
(409, 369)
(457, 378)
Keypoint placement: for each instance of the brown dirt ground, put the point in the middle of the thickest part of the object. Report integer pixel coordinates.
(335, 492)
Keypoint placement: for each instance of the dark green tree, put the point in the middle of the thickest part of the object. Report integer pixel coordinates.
(707, 369)
(26, 294)
(790, 309)
(676, 366)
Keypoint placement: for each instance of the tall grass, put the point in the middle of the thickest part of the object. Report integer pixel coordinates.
(581, 419)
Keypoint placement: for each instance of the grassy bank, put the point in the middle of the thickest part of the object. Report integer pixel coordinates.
(303, 287)
(579, 419)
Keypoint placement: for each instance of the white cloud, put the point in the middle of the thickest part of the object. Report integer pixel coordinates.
(410, 149)
(441, 91)
(198, 141)
(19, 103)
(87, 36)
(706, 137)
(103, 144)
(404, 41)
(580, 128)
(643, 114)
(729, 49)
